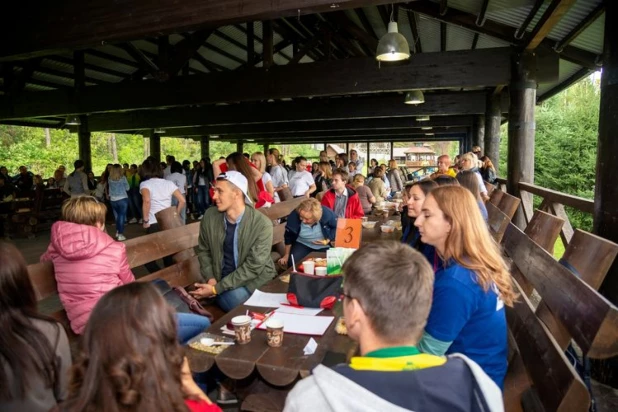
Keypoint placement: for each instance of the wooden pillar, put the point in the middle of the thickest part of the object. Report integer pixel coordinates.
(368, 156)
(606, 191)
(239, 146)
(392, 151)
(478, 137)
(520, 163)
(492, 128)
(83, 142)
(468, 140)
(84, 135)
(155, 145)
(266, 147)
(205, 147)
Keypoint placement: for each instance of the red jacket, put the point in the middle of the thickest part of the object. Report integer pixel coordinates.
(353, 209)
(87, 263)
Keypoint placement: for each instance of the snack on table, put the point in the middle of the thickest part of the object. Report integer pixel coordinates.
(340, 326)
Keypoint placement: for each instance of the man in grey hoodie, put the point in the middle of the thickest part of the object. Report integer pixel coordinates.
(387, 297)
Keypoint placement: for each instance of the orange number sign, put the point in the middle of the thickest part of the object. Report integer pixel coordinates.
(348, 233)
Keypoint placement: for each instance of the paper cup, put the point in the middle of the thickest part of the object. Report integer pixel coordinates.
(242, 328)
(274, 332)
(309, 267)
(320, 271)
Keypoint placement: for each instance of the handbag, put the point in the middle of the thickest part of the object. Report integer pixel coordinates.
(180, 299)
(314, 291)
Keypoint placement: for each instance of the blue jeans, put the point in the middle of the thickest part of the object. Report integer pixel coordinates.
(190, 325)
(120, 213)
(183, 212)
(135, 202)
(202, 199)
(229, 299)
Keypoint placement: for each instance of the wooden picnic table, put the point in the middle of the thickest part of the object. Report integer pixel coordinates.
(278, 366)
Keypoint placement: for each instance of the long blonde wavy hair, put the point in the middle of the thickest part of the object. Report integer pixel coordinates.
(469, 242)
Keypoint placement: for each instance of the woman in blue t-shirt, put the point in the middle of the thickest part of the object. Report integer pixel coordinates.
(471, 286)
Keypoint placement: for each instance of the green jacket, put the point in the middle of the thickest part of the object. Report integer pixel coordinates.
(255, 237)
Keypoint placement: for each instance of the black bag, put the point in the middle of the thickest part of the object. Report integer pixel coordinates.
(314, 291)
(180, 300)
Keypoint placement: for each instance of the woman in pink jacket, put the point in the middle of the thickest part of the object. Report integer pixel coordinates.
(87, 261)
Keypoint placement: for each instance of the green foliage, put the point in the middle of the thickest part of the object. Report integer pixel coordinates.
(565, 145)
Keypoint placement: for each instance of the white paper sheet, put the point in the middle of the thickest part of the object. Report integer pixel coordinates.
(301, 324)
(310, 348)
(298, 311)
(266, 300)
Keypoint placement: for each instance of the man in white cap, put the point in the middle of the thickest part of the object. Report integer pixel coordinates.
(234, 245)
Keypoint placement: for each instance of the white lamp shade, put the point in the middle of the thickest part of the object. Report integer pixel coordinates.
(414, 97)
(424, 118)
(392, 46)
(72, 120)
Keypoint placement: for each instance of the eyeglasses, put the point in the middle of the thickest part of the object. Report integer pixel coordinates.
(345, 295)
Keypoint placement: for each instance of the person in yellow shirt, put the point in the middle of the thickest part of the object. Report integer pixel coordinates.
(444, 163)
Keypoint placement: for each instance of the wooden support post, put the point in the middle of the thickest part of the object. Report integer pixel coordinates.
(155, 145)
(392, 151)
(606, 190)
(205, 147)
(521, 130)
(478, 137)
(83, 138)
(368, 161)
(83, 142)
(492, 128)
(266, 147)
(239, 147)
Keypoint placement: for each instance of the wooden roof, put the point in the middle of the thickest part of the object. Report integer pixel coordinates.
(197, 68)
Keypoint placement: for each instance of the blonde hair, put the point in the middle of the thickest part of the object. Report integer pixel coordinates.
(469, 242)
(84, 210)
(260, 156)
(116, 173)
(326, 168)
(474, 161)
(311, 205)
(392, 164)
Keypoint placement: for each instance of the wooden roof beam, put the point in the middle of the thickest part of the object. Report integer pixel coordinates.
(583, 25)
(460, 69)
(498, 30)
(521, 30)
(314, 110)
(553, 14)
(44, 32)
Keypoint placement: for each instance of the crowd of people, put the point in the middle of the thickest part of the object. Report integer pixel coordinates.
(450, 344)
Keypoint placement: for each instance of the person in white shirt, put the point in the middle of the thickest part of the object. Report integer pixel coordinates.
(277, 172)
(180, 180)
(169, 159)
(301, 182)
(157, 195)
(354, 159)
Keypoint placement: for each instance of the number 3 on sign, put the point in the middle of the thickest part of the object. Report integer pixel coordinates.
(348, 233)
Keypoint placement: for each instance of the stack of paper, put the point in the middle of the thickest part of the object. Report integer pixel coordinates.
(301, 324)
(266, 300)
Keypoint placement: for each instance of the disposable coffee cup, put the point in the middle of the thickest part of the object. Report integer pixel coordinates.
(274, 332)
(364, 218)
(309, 267)
(242, 328)
(320, 271)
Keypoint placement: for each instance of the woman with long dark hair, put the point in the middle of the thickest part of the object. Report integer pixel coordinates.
(138, 367)
(415, 194)
(34, 349)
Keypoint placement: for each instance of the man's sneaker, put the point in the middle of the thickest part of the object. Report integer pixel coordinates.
(121, 238)
(141, 221)
(134, 220)
(116, 235)
(200, 217)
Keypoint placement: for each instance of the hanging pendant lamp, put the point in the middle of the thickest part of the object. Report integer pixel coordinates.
(72, 120)
(414, 97)
(424, 118)
(392, 46)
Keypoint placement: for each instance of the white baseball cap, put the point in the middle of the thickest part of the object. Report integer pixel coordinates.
(237, 179)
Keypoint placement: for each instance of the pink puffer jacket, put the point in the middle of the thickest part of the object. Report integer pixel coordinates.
(88, 263)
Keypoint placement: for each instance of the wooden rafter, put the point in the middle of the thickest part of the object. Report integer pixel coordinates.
(186, 49)
(521, 30)
(480, 19)
(288, 31)
(583, 25)
(475, 41)
(416, 40)
(89, 66)
(553, 14)
(442, 36)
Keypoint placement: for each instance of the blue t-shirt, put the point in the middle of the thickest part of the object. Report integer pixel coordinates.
(474, 320)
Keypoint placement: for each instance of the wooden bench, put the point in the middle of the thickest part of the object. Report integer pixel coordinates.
(540, 377)
(507, 203)
(179, 240)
